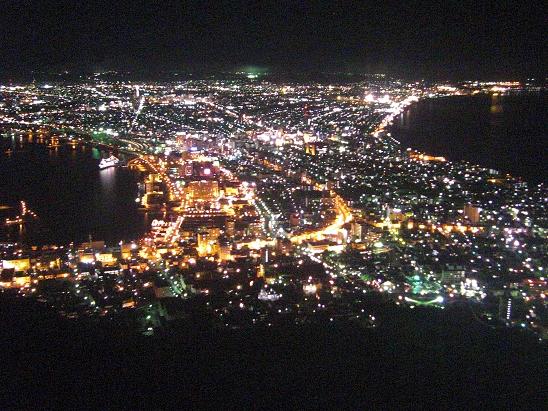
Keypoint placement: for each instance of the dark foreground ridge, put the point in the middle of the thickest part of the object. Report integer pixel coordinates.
(431, 358)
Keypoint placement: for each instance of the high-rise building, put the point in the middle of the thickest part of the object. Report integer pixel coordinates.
(505, 308)
(472, 213)
(356, 231)
(208, 241)
(229, 227)
(225, 249)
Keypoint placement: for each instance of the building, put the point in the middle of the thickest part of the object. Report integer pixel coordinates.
(355, 231)
(208, 241)
(505, 308)
(452, 274)
(225, 249)
(162, 289)
(230, 227)
(19, 264)
(10, 278)
(202, 190)
(472, 213)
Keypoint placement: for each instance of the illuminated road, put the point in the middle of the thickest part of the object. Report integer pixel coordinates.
(137, 112)
(344, 215)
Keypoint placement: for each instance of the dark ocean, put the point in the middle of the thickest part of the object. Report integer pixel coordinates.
(71, 196)
(507, 133)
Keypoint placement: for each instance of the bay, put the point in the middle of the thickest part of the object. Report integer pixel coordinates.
(508, 133)
(72, 197)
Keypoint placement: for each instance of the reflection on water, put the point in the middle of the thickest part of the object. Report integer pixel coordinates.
(71, 196)
(496, 104)
(108, 180)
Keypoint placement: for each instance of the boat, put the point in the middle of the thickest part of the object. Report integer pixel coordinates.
(108, 162)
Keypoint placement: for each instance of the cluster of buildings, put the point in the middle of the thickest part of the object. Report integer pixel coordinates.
(284, 203)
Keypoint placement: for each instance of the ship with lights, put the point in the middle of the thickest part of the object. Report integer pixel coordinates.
(111, 161)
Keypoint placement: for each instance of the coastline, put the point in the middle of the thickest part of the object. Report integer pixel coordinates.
(486, 143)
(69, 209)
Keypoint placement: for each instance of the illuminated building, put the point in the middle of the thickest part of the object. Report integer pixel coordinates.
(87, 258)
(229, 227)
(254, 229)
(356, 231)
(162, 289)
(225, 249)
(265, 255)
(126, 250)
(155, 191)
(472, 213)
(203, 190)
(505, 308)
(10, 278)
(310, 148)
(20, 264)
(452, 274)
(106, 258)
(231, 189)
(208, 241)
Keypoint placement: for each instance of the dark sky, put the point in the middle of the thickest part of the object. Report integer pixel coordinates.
(438, 38)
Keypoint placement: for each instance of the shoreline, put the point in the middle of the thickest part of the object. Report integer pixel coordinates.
(397, 131)
(82, 208)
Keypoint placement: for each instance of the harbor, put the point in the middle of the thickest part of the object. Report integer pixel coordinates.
(60, 180)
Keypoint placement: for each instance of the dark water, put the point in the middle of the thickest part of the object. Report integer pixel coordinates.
(506, 133)
(68, 192)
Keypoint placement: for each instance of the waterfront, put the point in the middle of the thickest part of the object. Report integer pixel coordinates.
(258, 216)
(266, 229)
(68, 192)
(506, 133)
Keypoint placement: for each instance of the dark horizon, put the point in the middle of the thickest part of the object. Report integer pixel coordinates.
(414, 40)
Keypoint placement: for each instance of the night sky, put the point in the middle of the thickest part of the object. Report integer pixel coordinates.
(434, 39)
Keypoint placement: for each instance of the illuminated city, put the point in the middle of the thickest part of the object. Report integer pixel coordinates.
(281, 202)
(368, 232)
